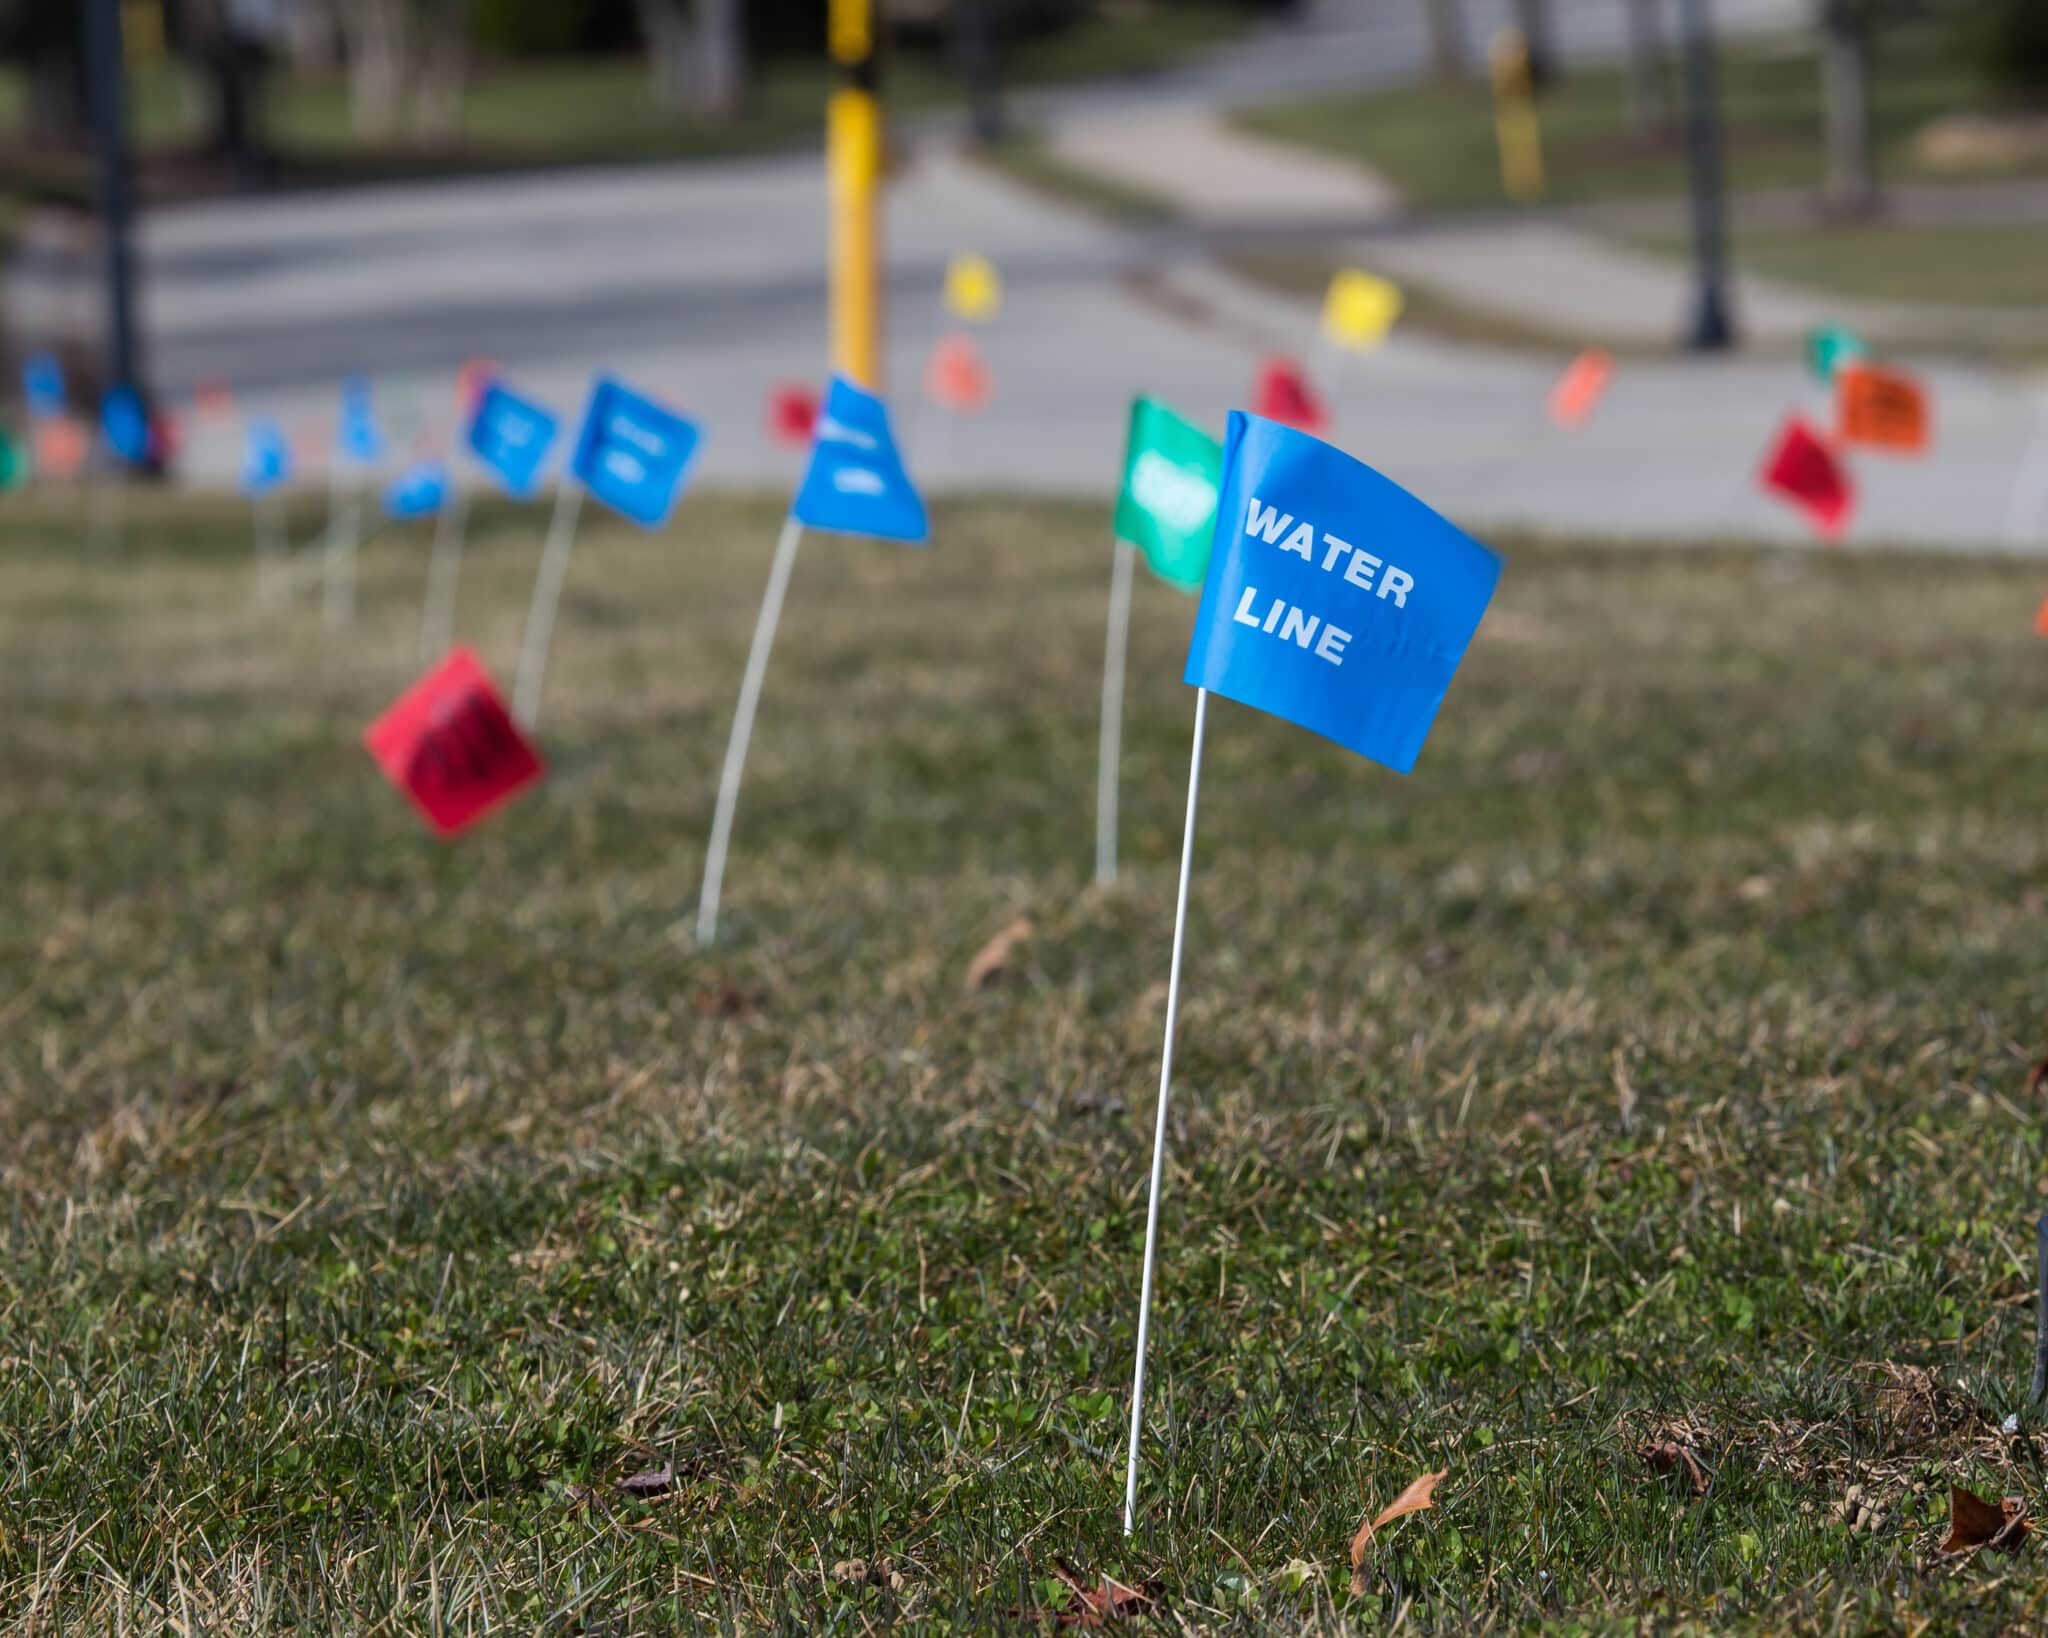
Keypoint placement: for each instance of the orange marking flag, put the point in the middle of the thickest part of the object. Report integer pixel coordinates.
(1886, 409)
(2041, 618)
(1579, 389)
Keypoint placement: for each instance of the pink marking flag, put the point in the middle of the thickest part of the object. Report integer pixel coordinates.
(450, 746)
(1804, 470)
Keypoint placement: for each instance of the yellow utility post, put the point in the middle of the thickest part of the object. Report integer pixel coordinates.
(853, 164)
(1514, 118)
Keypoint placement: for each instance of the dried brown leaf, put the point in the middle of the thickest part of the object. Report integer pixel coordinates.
(2037, 1077)
(992, 960)
(1974, 1523)
(1098, 1605)
(649, 1481)
(1666, 1456)
(1420, 1494)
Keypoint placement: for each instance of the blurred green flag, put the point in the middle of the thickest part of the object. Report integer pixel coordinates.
(13, 460)
(1831, 346)
(1167, 506)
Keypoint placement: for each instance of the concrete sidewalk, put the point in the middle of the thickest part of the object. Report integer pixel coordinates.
(1541, 271)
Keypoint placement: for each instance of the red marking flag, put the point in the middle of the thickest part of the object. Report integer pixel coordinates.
(1805, 471)
(2041, 619)
(449, 745)
(1283, 394)
(1886, 409)
(1579, 389)
(792, 414)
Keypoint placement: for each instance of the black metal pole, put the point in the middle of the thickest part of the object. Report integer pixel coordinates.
(106, 94)
(1712, 327)
(980, 65)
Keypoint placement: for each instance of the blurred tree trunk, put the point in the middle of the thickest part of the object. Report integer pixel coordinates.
(721, 58)
(222, 41)
(1845, 74)
(1444, 21)
(1649, 91)
(666, 32)
(697, 52)
(442, 73)
(375, 33)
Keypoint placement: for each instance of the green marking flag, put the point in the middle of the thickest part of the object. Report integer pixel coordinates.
(1167, 505)
(1829, 347)
(13, 460)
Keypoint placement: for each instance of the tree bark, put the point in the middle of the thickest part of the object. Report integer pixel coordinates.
(1845, 71)
(721, 58)
(443, 72)
(666, 33)
(1444, 20)
(1649, 89)
(376, 36)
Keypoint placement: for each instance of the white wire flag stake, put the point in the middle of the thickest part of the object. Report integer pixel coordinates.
(743, 726)
(1108, 772)
(855, 484)
(1180, 927)
(1357, 645)
(444, 569)
(632, 453)
(2030, 484)
(547, 597)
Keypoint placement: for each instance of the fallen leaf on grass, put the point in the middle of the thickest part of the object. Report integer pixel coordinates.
(649, 1481)
(2037, 1077)
(1666, 1456)
(1974, 1523)
(992, 960)
(1099, 1605)
(1419, 1495)
(720, 1000)
(868, 1572)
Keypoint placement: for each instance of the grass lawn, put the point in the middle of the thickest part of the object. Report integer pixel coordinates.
(1648, 1072)
(1966, 264)
(1436, 142)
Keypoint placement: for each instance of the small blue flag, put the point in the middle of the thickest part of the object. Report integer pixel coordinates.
(1335, 598)
(358, 436)
(417, 491)
(126, 424)
(856, 483)
(632, 454)
(266, 458)
(42, 384)
(511, 436)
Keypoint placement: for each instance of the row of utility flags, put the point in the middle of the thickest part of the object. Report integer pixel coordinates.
(1329, 595)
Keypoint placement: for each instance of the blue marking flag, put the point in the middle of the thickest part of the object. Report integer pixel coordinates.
(266, 458)
(126, 424)
(632, 454)
(358, 436)
(42, 384)
(511, 436)
(855, 483)
(417, 491)
(1335, 598)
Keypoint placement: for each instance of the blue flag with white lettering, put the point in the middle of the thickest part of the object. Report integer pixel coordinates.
(42, 384)
(126, 423)
(511, 436)
(632, 454)
(1335, 598)
(856, 484)
(266, 458)
(418, 491)
(358, 436)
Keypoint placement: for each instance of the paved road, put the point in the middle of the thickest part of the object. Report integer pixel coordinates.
(704, 285)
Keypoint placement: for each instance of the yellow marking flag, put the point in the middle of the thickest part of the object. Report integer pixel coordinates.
(974, 289)
(1360, 309)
